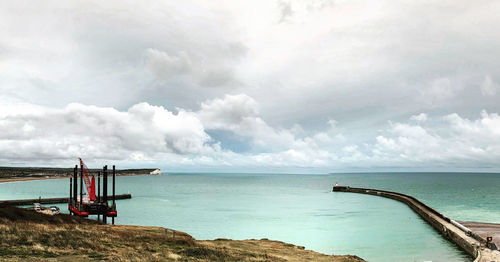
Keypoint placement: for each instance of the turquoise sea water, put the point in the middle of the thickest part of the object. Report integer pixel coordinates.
(301, 209)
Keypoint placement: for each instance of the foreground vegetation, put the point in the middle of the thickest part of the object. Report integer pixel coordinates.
(26, 235)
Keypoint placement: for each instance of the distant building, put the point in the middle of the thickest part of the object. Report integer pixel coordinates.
(155, 172)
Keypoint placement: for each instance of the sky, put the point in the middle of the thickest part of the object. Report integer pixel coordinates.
(251, 86)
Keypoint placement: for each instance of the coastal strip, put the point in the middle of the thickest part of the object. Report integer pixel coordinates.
(55, 200)
(21, 179)
(16, 174)
(471, 242)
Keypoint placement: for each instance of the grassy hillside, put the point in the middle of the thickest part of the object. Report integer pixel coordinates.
(26, 235)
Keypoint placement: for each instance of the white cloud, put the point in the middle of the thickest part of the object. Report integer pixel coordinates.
(409, 143)
(463, 143)
(97, 132)
(232, 112)
(487, 128)
(152, 134)
(239, 114)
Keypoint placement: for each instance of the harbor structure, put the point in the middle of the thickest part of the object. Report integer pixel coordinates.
(483, 249)
(52, 200)
(83, 205)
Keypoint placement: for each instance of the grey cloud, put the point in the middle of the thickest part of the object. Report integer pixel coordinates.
(488, 87)
(286, 10)
(362, 63)
(419, 118)
(94, 51)
(166, 66)
(362, 55)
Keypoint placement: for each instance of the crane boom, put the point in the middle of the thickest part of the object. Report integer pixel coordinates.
(90, 186)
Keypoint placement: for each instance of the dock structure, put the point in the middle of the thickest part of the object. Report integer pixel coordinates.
(92, 204)
(53, 200)
(474, 243)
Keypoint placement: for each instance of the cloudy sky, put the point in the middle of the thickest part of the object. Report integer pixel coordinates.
(264, 86)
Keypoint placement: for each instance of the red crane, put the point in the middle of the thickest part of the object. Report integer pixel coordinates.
(90, 185)
(94, 205)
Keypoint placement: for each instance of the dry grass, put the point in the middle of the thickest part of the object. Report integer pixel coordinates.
(26, 235)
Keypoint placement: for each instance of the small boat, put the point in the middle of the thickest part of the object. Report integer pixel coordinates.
(52, 210)
(55, 210)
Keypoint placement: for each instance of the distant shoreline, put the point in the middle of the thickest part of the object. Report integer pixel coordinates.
(21, 179)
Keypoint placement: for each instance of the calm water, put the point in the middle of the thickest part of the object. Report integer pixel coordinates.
(301, 209)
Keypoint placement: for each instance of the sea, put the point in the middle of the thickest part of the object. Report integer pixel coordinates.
(301, 208)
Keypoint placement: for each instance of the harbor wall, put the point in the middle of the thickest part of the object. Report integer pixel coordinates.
(468, 241)
(56, 200)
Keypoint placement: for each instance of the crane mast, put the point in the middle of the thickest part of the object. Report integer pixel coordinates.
(89, 185)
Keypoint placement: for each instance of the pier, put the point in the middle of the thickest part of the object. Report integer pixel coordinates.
(485, 230)
(84, 204)
(467, 236)
(55, 200)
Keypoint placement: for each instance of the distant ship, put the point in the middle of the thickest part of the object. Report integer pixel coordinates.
(155, 172)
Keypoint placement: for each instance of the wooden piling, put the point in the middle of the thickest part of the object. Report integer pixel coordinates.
(75, 186)
(113, 206)
(70, 192)
(98, 192)
(105, 191)
(81, 189)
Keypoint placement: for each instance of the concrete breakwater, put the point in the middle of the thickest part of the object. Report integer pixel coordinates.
(471, 242)
(55, 200)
